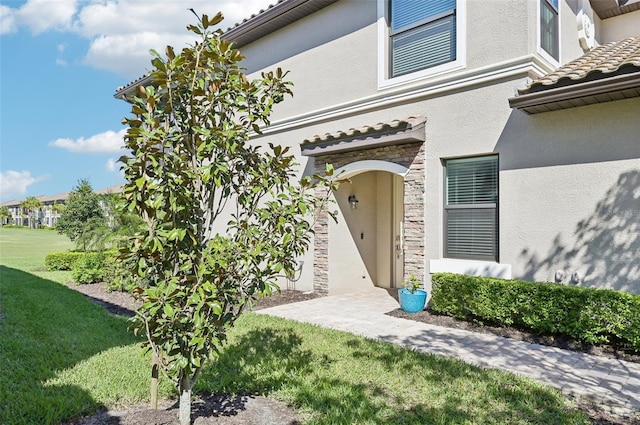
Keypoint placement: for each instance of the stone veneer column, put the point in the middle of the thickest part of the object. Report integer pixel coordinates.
(407, 155)
(414, 212)
(321, 249)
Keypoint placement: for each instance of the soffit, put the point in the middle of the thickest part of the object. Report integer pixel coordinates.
(610, 8)
(396, 132)
(608, 72)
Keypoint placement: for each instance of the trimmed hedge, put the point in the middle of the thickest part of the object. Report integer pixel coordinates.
(88, 269)
(62, 260)
(591, 315)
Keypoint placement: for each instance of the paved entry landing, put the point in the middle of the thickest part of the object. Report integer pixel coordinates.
(614, 382)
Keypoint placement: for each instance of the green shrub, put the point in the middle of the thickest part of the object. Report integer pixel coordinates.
(118, 275)
(88, 269)
(586, 314)
(62, 260)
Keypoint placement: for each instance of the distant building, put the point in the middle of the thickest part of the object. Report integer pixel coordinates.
(47, 215)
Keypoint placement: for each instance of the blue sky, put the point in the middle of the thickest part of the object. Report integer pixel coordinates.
(60, 63)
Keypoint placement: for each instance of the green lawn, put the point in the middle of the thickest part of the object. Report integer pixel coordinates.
(31, 243)
(62, 356)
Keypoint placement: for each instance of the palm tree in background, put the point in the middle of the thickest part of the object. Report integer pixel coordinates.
(31, 205)
(5, 213)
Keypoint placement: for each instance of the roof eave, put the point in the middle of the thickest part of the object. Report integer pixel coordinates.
(267, 21)
(124, 92)
(272, 19)
(598, 91)
(610, 8)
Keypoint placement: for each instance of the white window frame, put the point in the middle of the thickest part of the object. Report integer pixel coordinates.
(384, 55)
(542, 52)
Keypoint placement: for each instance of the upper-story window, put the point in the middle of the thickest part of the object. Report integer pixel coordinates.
(549, 28)
(422, 34)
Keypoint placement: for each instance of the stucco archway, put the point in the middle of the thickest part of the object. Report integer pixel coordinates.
(359, 167)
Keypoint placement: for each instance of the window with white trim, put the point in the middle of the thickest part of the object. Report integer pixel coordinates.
(471, 200)
(549, 28)
(422, 34)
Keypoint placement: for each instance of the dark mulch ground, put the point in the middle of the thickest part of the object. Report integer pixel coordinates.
(209, 409)
(122, 303)
(227, 409)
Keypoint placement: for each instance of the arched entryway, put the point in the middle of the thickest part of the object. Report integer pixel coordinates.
(366, 247)
(379, 237)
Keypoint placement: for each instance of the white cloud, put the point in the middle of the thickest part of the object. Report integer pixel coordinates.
(128, 55)
(61, 48)
(45, 15)
(121, 32)
(8, 22)
(107, 142)
(15, 183)
(111, 165)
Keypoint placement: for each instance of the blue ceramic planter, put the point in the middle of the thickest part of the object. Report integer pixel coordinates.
(412, 303)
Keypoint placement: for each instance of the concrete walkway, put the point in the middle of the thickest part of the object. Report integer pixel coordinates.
(614, 383)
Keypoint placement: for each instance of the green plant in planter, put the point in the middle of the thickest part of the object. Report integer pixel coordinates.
(412, 284)
(412, 297)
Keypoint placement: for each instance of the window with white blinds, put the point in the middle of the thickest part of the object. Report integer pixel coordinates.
(471, 199)
(549, 28)
(423, 34)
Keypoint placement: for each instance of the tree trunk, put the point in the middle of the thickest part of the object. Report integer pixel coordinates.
(154, 383)
(184, 414)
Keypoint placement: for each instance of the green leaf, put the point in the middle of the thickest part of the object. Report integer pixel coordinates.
(168, 310)
(194, 29)
(140, 182)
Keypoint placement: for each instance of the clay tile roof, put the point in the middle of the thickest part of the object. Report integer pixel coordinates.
(618, 57)
(409, 130)
(366, 131)
(131, 84)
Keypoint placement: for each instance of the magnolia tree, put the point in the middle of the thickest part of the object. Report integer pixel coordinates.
(223, 217)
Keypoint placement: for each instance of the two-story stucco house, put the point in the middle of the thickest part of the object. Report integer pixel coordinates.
(488, 137)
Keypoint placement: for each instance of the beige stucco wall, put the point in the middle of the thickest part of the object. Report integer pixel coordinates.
(496, 33)
(570, 194)
(619, 27)
(569, 43)
(339, 40)
(332, 55)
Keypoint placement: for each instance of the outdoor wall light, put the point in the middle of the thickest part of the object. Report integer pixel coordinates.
(353, 201)
(576, 278)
